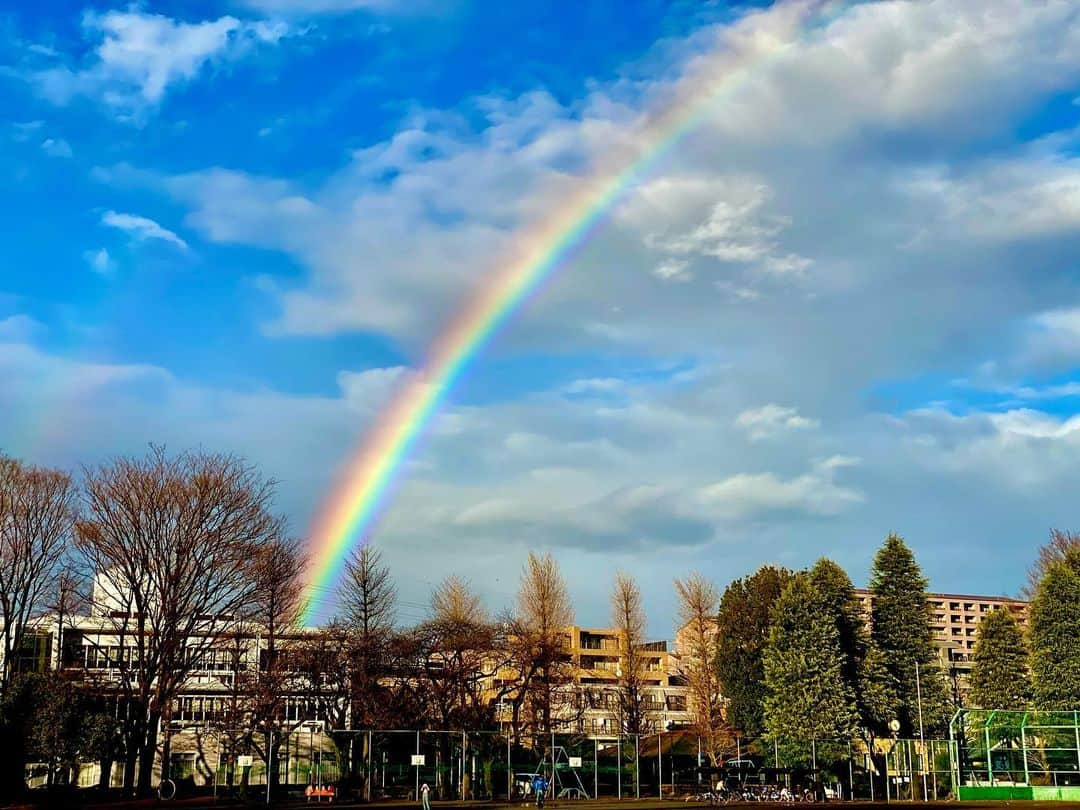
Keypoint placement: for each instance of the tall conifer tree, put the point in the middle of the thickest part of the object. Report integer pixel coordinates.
(999, 675)
(807, 695)
(900, 628)
(743, 623)
(1055, 635)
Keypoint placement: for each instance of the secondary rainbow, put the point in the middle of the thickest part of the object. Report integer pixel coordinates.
(349, 513)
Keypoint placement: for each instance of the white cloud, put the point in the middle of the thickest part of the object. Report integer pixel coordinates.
(56, 147)
(770, 421)
(141, 228)
(139, 56)
(813, 493)
(100, 262)
(19, 328)
(673, 270)
(736, 230)
(301, 7)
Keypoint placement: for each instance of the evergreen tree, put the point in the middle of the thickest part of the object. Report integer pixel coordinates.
(901, 630)
(1055, 635)
(863, 664)
(743, 622)
(807, 697)
(999, 675)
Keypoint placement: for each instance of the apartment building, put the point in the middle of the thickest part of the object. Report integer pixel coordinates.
(598, 656)
(955, 620)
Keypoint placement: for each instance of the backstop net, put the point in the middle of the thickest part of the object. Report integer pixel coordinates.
(1016, 754)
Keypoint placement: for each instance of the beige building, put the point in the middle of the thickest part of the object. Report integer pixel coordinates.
(598, 658)
(955, 620)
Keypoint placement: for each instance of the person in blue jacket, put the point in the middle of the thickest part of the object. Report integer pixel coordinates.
(540, 786)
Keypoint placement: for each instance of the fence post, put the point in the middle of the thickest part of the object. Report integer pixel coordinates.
(618, 752)
(1076, 733)
(637, 766)
(595, 768)
(659, 765)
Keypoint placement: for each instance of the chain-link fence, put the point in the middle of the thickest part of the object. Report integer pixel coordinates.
(1017, 754)
(488, 765)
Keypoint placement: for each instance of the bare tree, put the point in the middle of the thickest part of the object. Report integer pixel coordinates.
(628, 620)
(37, 515)
(699, 603)
(454, 602)
(1052, 551)
(172, 542)
(369, 598)
(539, 699)
(458, 654)
(274, 613)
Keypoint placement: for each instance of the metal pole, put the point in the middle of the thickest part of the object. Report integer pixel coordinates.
(618, 752)
(367, 782)
(416, 795)
(1076, 732)
(1023, 750)
(659, 765)
(699, 766)
(922, 737)
(850, 772)
(989, 759)
(595, 768)
(461, 784)
(887, 774)
(870, 766)
(269, 763)
(637, 766)
(509, 771)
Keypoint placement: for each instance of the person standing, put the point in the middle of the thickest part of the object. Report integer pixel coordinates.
(540, 786)
(425, 796)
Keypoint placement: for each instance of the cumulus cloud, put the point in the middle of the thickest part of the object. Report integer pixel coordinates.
(772, 420)
(141, 229)
(138, 56)
(813, 493)
(304, 7)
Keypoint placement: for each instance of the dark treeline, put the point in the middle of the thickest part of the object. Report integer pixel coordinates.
(180, 559)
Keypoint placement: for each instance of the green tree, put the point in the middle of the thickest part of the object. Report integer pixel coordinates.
(1055, 635)
(999, 674)
(863, 664)
(744, 621)
(807, 697)
(900, 628)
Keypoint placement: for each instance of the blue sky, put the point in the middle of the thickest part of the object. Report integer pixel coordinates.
(846, 304)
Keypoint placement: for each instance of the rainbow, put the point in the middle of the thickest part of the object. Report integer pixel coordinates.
(349, 513)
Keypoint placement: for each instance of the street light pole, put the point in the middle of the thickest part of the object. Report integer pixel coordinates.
(922, 737)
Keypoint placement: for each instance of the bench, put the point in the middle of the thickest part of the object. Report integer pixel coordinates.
(319, 793)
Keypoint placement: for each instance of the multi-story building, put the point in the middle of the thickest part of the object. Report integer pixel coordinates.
(599, 656)
(955, 620)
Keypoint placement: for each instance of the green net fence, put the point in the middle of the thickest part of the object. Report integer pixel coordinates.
(1002, 748)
